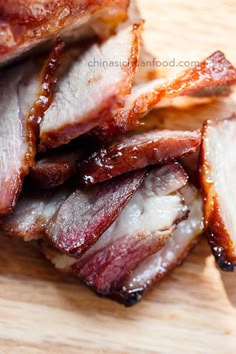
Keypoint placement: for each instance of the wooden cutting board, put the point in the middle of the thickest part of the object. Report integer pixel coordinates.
(191, 311)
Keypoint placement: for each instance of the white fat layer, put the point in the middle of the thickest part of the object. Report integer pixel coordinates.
(175, 248)
(147, 212)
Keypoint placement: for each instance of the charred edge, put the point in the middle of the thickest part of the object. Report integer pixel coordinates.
(128, 298)
(220, 255)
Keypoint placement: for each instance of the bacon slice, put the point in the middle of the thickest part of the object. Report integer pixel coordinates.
(27, 24)
(87, 213)
(218, 184)
(214, 71)
(102, 87)
(134, 152)
(33, 212)
(25, 94)
(175, 250)
(142, 228)
(134, 285)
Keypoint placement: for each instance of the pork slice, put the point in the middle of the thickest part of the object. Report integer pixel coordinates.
(175, 250)
(87, 213)
(25, 93)
(212, 73)
(33, 211)
(219, 185)
(56, 168)
(132, 288)
(142, 228)
(95, 84)
(25, 25)
(137, 151)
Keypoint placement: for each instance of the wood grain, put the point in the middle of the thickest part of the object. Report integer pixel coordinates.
(191, 311)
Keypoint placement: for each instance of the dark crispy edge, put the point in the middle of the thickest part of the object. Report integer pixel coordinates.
(130, 298)
(215, 229)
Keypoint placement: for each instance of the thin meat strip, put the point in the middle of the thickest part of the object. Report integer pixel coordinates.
(137, 151)
(219, 185)
(26, 91)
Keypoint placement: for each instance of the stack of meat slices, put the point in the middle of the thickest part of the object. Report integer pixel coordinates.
(110, 204)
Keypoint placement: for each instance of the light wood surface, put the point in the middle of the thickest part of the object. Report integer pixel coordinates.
(194, 309)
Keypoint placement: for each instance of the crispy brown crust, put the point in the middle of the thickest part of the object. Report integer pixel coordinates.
(43, 100)
(29, 22)
(218, 237)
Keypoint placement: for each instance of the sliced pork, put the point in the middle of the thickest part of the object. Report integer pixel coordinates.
(95, 84)
(132, 287)
(28, 24)
(176, 248)
(214, 71)
(25, 93)
(87, 213)
(142, 228)
(134, 152)
(218, 166)
(33, 212)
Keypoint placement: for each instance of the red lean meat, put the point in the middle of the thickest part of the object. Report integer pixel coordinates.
(87, 213)
(142, 229)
